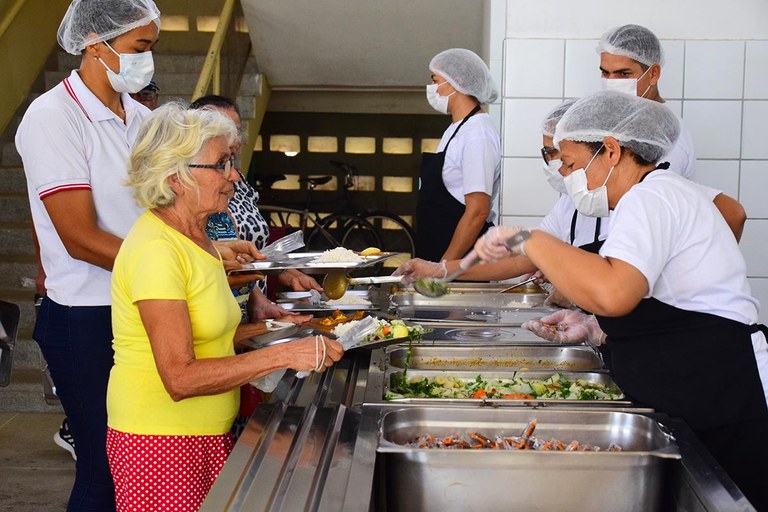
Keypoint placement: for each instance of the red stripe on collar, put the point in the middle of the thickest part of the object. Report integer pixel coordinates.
(71, 92)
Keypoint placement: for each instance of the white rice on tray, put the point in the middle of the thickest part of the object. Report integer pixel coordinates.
(339, 255)
(349, 299)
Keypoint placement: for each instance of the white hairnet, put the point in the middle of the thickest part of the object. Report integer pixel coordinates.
(466, 72)
(633, 41)
(554, 116)
(645, 127)
(91, 21)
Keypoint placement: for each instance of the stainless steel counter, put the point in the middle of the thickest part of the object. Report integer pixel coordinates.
(314, 448)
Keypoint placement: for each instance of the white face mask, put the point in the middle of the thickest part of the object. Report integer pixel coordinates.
(625, 85)
(593, 203)
(439, 103)
(136, 70)
(554, 178)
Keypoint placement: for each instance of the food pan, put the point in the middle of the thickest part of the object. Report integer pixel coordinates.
(494, 358)
(470, 300)
(394, 375)
(470, 316)
(443, 480)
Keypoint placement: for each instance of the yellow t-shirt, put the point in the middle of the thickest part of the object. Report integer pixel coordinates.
(157, 262)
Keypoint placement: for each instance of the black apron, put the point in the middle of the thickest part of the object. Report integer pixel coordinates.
(693, 365)
(437, 211)
(596, 244)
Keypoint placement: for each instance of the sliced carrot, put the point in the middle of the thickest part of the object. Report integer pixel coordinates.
(480, 393)
(517, 396)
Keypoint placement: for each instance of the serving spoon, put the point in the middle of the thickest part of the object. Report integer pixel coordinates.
(436, 287)
(335, 284)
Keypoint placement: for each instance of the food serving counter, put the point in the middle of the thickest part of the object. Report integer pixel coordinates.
(331, 442)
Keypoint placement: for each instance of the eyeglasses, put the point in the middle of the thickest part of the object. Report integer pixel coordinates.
(546, 151)
(224, 168)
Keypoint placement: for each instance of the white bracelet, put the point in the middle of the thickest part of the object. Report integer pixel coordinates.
(320, 364)
(317, 353)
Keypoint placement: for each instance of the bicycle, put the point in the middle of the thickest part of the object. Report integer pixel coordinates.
(348, 226)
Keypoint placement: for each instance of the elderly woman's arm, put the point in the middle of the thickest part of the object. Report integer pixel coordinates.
(170, 334)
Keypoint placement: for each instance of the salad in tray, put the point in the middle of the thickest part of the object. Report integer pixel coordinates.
(515, 388)
(385, 330)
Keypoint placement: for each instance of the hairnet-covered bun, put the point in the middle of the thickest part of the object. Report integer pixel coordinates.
(466, 72)
(91, 21)
(645, 127)
(633, 41)
(554, 116)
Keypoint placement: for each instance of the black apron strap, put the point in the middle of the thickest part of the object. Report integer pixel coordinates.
(473, 112)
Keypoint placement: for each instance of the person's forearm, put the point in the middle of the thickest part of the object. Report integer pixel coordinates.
(213, 376)
(507, 268)
(465, 234)
(97, 247)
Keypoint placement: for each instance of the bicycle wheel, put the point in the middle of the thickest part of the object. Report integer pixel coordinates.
(396, 236)
(332, 232)
(281, 217)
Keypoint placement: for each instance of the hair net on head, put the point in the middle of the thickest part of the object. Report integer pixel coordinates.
(633, 41)
(554, 116)
(645, 127)
(466, 72)
(91, 21)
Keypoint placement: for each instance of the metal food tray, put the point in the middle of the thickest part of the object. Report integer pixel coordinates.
(591, 377)
(485, 335)
(306, 261)
(443, 480)
(470, 300)
(447, 316)
(471, 287)
(306, 307)
(557, 359)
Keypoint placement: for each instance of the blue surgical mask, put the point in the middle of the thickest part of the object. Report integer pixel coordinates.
(136, 70)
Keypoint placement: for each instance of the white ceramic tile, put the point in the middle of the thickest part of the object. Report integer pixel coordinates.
(753, 143)
(714, 69)
(675, 106)
(753, 188)
(498, 27)
(524, 189)
(756, 72)
(671, 81)
(526, 221)
(534, 68)
(715, 127)
(760, 292)
(582, 68)
(753, 244)
(522, 125)
(720, 174)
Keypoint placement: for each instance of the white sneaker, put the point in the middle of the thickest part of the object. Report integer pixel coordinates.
(64, 438)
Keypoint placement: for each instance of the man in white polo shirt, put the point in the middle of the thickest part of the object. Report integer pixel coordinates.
(74, 141)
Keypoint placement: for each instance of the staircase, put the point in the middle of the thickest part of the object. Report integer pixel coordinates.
(176, 76)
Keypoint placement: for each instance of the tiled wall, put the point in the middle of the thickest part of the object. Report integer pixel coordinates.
(719, 87)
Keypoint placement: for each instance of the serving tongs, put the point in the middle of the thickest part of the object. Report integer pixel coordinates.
(436, 287)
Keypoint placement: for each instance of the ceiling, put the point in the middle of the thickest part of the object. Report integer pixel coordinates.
(359, 55)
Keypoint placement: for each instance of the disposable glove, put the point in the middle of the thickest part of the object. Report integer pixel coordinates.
(567, 326)
(493, 245)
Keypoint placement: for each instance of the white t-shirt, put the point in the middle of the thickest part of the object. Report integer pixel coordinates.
(682, 159)
(558, 221)
(668, 229)
(473, 160)
(69, 140)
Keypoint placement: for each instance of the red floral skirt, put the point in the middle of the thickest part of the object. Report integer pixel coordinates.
(164, 473)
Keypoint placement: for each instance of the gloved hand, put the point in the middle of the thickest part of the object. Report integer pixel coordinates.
(493, 245)
(557, 299)
(567, 326)
(416, 268)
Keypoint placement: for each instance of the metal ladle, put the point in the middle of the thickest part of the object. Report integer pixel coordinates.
(434, 287)
(335, 284)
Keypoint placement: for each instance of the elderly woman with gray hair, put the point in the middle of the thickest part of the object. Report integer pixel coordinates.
(668, 289)
(173, 392)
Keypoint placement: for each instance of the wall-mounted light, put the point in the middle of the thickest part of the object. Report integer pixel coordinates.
(289, 145)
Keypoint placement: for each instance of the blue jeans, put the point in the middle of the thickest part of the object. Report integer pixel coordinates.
(77, 344)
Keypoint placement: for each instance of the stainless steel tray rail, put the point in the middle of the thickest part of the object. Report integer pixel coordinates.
(314, 448)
